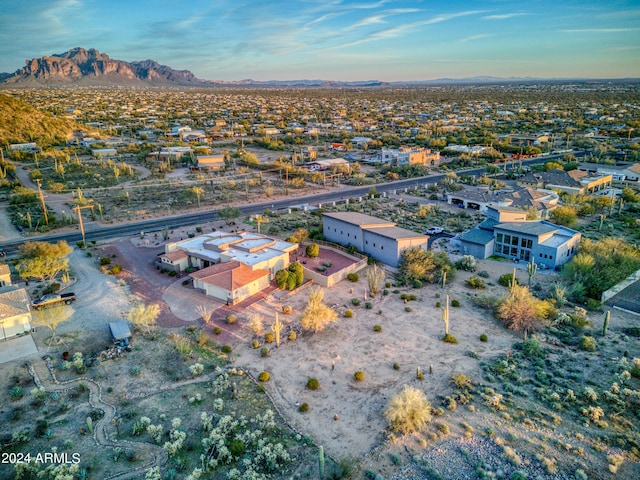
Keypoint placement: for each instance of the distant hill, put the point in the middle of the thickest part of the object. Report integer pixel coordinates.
(22, 123)
(90, 67)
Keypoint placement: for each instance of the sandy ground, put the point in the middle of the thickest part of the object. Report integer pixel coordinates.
(411, 339)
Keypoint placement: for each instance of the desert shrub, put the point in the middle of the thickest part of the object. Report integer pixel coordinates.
(116, 269)
(475, 282)
(443, 428)
(321, 268)
(448, 338)
(348, 313)
(409, 411)
(286, 309)
(231, 318)
(292, 335)
(281, 278)
(173, 273)
(532, 348)
(355, 302)
(352, 277)
(466, 263)
(417, 284)
(264, 376)
(438, 304)
(487, 302)
(312, 250)
(41, 428)
(16, 393)
(269, 337)
(483, 274)
(226, 349)
(408, 309)
(264, 352)
(455, 302)
(313, 383)
(304, 407)
(255, 344)
(385, 292)
(217, 330)
(105, 261)
(396, 366)
(358, 376)
(185, 282)
(484, 338)
(368, 305)
(506, 279)
(588, 344)
(377, 328)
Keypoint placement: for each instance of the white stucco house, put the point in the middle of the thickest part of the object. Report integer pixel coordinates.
(15, 313)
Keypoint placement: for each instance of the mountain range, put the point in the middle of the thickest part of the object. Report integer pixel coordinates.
(92, 68)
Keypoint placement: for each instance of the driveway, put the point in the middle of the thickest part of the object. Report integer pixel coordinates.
(15, 348)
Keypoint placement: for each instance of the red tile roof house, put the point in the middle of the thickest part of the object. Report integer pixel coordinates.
(231, 282)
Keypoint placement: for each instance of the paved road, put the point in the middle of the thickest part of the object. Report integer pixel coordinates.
(94, 232)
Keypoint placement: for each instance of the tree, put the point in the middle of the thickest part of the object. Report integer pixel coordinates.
(521, 311)
(409, 411)
(145, 316)
(51, 318)
(43, 260)
(375, 279)
(317, 315)
(301, 234)
(313, 250)
(565, 215)
(281, 278)
(227, 213)
(198, 192)
(553, 166)
(297, 270)
(416, 264)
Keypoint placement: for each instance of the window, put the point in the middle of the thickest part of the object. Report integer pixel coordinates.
(499, 238)
(514, 241)
(514, 251)
(507, 239)
(381, 247)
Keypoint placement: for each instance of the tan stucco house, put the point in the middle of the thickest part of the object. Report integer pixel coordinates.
(15, 313)
(231, 282)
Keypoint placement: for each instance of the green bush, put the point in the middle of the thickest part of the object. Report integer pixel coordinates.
(313, 383)
(358, 376)
(321, 268)
(348, 313)
(417, 284)
(173, 273)
(448, 338)
(377, 328)
(281, 279)
(438, 304)
(264, 352)
(115, 269)
(408, 309)
(292, 335)
(355, 302)
(588, 344)
(506, 279)
(475, 282)
(303, 407)
(217, 330)
(484, 338)
(231, 318)
(532, 348)
(368, 305)
(226, 349)
(385, 292)
(352, 277)
(396, 366)
(483, 274)
(255, 344)
(264, 376)
(455, 303)
(105, 261)
(312, 250)
(269, 337)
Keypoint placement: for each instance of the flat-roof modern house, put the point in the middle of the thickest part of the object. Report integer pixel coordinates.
(211, 162)
(373, 236)
(507, 233)
(252, 249)
(480, 198)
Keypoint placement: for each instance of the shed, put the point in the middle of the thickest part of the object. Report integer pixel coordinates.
(120, 332)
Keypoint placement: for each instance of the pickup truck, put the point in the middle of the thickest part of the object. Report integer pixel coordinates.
(52, 299)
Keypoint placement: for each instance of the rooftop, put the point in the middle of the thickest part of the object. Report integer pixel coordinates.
(534, 227)
(359, 219)
(229, 275)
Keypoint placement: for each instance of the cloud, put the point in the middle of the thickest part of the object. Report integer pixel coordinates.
(504, 16)
(598, 30)
(473, 38)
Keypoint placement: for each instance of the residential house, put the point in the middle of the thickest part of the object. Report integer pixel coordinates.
(629, 172)
(507, 233)
(375, 237)
(24, 147)
(572, 182)
(409, 156)
(15, 313)
(481, 197)
(252, 249)
(5, 275)
(104, 153)
(231, 282)
(210, 162)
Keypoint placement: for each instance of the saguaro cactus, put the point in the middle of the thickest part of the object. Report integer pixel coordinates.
(513, 279)
(532, 268)
(277, 328)
(607, 317)
(90, 424)
(445, 315)
(321, 460)
(444, 278)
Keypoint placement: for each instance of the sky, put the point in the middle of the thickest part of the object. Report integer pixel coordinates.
(336, 39)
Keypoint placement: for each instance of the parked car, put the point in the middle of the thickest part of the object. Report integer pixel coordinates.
(53, 299)
(434, 230)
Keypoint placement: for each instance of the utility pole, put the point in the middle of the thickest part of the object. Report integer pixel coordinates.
(44, 207)
(286, 180)
(78, 209)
